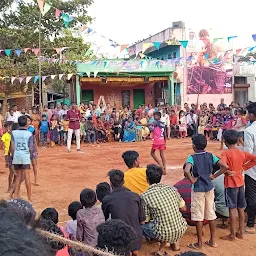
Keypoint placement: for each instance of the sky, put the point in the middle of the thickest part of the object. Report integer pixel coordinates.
(128, 21)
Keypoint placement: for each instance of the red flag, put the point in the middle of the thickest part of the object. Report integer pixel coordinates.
(57, 13)
(36, 51)
(238, 51)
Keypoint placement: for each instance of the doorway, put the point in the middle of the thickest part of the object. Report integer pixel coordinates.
(138, 97)
(87, 96)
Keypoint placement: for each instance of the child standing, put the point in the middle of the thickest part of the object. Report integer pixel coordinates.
(82, 129)
(54, 134)
(237, 161)
(22, 148)
(6, 140)
(198, 170)
(88, 218)
(64, 130)
(34, 154)
(44, 129)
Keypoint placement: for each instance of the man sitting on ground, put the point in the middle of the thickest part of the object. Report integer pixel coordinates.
(135, 178)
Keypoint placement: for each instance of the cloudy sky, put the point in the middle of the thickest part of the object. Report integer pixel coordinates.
(128, 21)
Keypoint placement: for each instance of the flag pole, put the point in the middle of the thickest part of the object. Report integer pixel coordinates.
(39, 63)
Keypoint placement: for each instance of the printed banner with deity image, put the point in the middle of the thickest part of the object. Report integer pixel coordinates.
(203, 76)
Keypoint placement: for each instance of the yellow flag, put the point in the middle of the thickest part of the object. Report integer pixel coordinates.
(145, 46)
(41, 5)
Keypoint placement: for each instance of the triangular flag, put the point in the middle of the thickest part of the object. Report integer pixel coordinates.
(28, 78)
(142, 55)
(238, 51)
(13, 79)
(26, 49)
(236, 58)
(231, 37)
(83, 28)
(206, 55)
(254, 37)
(47, 8)
(95, 73)
(41, 5)
(57, 13)
(60, 76)
(123, 46)
(88, 52)
(105, 64)
(18, 52)
(58, 50)
(36, 51)
(36, 79)
(21, 79)
(8, 52)
(89, 30)
(251, 49)
(145, 46)
(251, 59)
(88, 73)
(184, 43)
(215, 40)
(53, 76)
(69, 76)
(43, 78)
(157, 45)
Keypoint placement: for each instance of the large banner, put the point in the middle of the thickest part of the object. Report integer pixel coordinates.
(203, 76)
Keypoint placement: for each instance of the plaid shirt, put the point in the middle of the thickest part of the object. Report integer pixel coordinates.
(162, 204)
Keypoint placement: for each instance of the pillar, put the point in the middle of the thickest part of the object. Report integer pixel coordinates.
(171, 99)
(78, 90)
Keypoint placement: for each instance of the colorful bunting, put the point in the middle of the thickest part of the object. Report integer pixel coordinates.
(184, 43)
(69, 76)
(41, 5)
(21, 79)
(13, 79)
(123, 46)
(95, 73)
(57, 13)
(83, 28)
(145, 46)
(88, 73)
(26, 49)
(28, 78)
(36, 79)
(8, 52)
(238, 51)
(157, 45)
(36, 51)
(53, 76)
(231, 37)
(46, 9)
(60, 76)
(215, 40)
(18, 52)
(58, 50)
(251, 49)
(43, 78)
(105, 64)
(254, 37)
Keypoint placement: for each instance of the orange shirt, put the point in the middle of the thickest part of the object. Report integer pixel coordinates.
(237, 161)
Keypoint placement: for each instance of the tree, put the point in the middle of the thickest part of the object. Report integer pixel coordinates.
(19, 28)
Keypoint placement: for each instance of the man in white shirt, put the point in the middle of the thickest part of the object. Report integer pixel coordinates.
(11, 117)
(192, 123)
(63, 111)
(166, 120)
(250, 175)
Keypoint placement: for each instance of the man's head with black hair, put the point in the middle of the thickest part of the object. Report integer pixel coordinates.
(102, 190)
(116, 178)
(230, 137)
(131, 158)
(154, 174)
(251, 108)
(73, 208)
(199, 142)
(88, 198)
(116, 236)
(22, 121)
(17, 240)
(50, 214)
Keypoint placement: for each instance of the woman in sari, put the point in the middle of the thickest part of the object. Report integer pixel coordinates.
(129, 131)
(145, 129)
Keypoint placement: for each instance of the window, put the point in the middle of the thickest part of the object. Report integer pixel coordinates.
(174, 55)
(169, 56)
(240, 80)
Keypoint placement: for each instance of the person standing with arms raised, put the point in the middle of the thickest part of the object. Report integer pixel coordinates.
(73, 116)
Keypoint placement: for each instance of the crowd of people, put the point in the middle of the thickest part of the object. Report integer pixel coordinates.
(135, 204)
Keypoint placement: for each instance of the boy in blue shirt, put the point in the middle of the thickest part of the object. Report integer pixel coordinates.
(22, 148)
(44, 129)
(198, 170)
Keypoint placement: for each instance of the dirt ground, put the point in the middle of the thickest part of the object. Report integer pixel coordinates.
(63, 175)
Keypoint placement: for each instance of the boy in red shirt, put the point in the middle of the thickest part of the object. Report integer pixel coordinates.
(237, 161)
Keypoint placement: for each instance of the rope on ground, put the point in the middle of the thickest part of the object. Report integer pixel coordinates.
(74, 244)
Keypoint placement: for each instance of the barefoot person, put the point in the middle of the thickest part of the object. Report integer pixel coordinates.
(22, 148)
(250, 175)
(73, 115)
(237, 161)
(162, 205)
(202, 195)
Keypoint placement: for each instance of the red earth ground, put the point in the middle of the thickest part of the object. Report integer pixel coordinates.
(63, 175)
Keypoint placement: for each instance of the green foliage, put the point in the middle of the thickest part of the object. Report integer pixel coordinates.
(19, 28)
